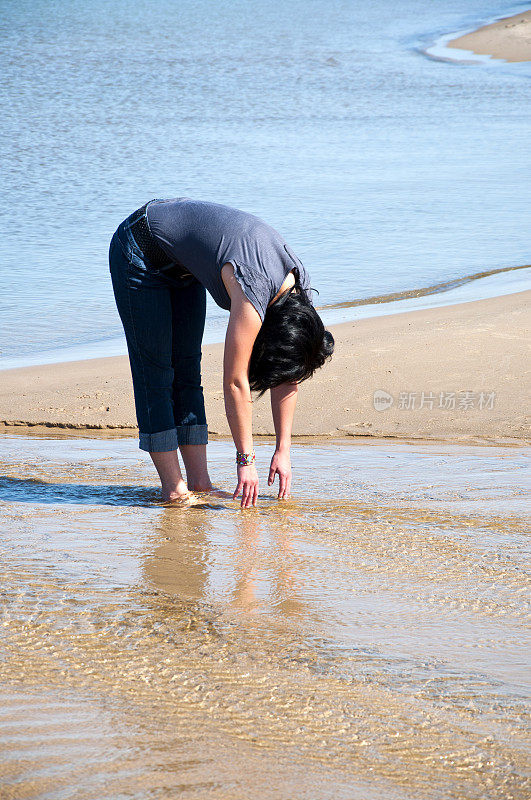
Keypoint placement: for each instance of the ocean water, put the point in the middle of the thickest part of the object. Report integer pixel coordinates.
(385, 169)
(365, 639)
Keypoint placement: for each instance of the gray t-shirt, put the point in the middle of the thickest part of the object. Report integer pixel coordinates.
(202, 236)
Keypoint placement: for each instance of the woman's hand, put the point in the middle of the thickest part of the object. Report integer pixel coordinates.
(247, 485)
(281, 466)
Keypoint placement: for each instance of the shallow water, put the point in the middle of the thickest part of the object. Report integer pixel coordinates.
(384, 169)
(365, 639)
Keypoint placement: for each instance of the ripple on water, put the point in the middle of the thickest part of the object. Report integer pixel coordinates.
(351, 642)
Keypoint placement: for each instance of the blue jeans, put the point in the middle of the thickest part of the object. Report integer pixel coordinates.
(164, 320)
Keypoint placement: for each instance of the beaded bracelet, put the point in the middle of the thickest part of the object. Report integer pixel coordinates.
(245, 459)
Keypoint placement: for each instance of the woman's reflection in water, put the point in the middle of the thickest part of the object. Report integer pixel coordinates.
(265, 576)
(244, 561)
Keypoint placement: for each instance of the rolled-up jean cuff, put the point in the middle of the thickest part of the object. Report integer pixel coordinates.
(159, 442)
(192, 434)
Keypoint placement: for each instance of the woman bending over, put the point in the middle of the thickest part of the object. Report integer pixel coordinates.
(163, 259)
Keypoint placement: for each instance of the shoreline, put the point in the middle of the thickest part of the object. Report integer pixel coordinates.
(299, 440)
(495, 282)
(508, 39)
(475, 349)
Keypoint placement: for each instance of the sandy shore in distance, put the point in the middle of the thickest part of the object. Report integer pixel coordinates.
(509, 38)
(470, 360)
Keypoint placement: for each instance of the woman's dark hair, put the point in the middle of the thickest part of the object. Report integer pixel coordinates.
(292, 342)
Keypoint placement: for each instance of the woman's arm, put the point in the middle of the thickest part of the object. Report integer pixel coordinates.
(244, 324)
(283, 402)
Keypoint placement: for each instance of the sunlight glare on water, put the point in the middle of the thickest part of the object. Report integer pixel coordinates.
(364, 639)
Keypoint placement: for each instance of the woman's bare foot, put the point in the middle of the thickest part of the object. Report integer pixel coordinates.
(183, 499)
(175, 492)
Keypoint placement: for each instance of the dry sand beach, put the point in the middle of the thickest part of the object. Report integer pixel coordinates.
(509, 38)
(459, 372)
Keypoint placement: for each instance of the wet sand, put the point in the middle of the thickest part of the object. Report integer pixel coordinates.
(458, 372)
(509, 39)
(365, 639)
